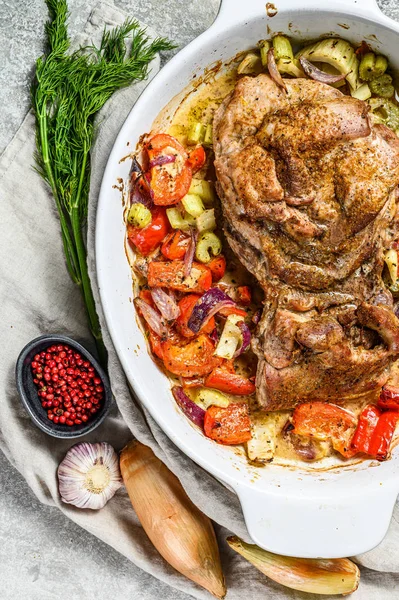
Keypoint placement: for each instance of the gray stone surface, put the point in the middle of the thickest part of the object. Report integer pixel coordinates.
(43, 555)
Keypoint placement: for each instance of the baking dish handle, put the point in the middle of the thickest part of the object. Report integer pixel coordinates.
(235, 11)
(311, 527)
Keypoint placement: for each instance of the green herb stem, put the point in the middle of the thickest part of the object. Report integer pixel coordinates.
(68, 91)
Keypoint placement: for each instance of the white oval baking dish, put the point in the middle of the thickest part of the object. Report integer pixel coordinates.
(334, 513)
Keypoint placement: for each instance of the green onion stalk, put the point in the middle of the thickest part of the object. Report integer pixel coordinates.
(68, 90)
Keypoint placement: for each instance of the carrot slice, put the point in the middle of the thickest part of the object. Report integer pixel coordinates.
(192, 359)
(218, 267)
(225, 380)
(229, 426)
(171, 275)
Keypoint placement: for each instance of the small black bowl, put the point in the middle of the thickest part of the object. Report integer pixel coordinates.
(31, 401)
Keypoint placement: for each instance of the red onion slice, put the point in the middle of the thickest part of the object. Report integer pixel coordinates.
(166, 305)
(162, 159)
(195, 413)
(208, 305)
(189, 256)
(152, 317)
(141, 192)
(246, 338)
(318, 75)
(273, 70)
(256, 317)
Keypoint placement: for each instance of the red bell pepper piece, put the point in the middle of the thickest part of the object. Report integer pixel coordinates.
(389, 398)
(224, 380)
(171, 275)
(244, 295)
(197, 159)
(374, 432)
(146, 240)
(229, 426)
(218, 267)
(175, 245)
(325, 422)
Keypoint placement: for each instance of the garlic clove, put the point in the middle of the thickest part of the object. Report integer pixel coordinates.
(89, 475)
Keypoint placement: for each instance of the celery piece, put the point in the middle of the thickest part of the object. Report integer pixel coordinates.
(193, 205)
(264, 47)
(230, 339)
(209, 397)
(204, 189)
(139, 215)
(362, 93)
(382, 86)
(339, 54)
(262, 445)
(282, 48)
(208, 137)
(177, 220)
(196, 133)
(206, 221)
(208, 245)
(250, 64)
(391, 261)
(372, 66)
(286, 66)
(385, 111)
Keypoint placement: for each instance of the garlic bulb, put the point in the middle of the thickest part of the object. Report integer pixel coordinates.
(89, 475)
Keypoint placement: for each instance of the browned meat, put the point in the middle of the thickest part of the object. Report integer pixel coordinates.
(308, 189)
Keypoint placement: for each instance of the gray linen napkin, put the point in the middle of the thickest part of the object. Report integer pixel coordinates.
(38, 297)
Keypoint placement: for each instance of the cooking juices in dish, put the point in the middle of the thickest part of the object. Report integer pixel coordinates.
(261, 217)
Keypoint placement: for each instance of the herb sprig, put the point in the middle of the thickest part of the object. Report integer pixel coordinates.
(68, 90)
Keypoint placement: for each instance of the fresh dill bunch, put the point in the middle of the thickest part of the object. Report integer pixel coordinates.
(67, 92)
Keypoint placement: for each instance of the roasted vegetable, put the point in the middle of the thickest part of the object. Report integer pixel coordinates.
(229, 382)
(178, 219)
(139, 216)
(204, 189)
(287, 66)
(208, 246)
(169, 181)
(180, 532)
(374, 432)
(196, 133)
(282, 48)
(230, 339)
(229, 426)
(382, 86)
(262, 445)
(264, 46)
(386, 112)
(339, 54)
(196, 159)
(209, 398)
(186, 306)
(250, 64)
(325, 422)
(206, 221)
(192, 358)
(372, 66)
(171, 275)
(146, 240)
(193, 205)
